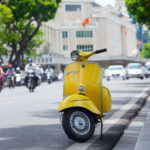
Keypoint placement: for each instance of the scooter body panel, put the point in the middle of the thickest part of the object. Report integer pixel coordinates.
(78, 100)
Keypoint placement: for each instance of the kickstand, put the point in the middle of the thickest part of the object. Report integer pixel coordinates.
(101, 135)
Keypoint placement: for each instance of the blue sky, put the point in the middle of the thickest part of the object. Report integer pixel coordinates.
(105, 2)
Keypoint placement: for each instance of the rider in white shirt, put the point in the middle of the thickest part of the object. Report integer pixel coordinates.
(49, 70)
(31, 67)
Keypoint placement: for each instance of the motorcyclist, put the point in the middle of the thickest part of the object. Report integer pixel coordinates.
(11, 71)
(18, 71)
(1, 70)
(18, 76)
(31, 67)
(1, 76)
(40, 73)
(48, 73)
(49, 70)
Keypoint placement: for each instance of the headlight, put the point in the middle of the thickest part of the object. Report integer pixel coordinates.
(75, 55)
(81, 89)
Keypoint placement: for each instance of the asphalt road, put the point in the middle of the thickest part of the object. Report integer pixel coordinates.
(30, 121)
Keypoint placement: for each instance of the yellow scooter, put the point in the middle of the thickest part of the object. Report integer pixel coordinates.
(85, 99)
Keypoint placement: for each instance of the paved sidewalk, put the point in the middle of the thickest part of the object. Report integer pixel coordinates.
(143, 141)
(132, 133)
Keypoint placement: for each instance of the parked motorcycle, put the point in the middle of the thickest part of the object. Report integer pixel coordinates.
(85, 99)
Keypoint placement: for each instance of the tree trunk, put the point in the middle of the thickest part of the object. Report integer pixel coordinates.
(23, 45)
(12, 55)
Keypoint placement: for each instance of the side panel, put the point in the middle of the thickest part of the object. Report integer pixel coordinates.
(88, 75)
(106, 100)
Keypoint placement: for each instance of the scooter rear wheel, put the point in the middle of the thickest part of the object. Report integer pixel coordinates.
(78, 124)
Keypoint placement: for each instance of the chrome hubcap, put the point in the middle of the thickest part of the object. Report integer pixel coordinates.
(80, 122)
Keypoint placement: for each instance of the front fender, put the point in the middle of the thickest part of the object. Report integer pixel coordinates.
(78, 101)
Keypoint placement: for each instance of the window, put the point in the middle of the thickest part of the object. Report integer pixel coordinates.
(86, 48)
(65, 47)
(73, 8)
(84, 34)
(65, 34)
(46, 60)
(50, 59)
(43, 60)
(38, 60)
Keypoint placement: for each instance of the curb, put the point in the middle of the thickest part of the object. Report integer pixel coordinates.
(114, 134)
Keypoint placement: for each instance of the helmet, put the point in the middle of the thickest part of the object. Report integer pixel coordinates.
(30, 60)
(10, 66)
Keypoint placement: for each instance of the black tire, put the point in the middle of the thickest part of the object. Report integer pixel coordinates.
(32, 89)
(127, 78)
(108, 79)
(85, 117)
(30, 85)
(9, 83)
(123, 78)
(49, 81)
(142, 78)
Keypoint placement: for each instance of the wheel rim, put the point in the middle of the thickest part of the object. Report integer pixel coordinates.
(80, 123)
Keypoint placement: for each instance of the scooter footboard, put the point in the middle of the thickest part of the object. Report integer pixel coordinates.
(78, 101)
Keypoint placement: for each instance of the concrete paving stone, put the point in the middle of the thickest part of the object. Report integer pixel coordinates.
(136, 125)
(143, 146)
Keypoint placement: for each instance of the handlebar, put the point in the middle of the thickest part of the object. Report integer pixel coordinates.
(100, 51)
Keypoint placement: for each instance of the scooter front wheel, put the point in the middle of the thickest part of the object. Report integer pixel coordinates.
(78, 124)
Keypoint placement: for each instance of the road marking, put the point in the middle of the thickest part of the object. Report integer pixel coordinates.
(108, 124)
(3, 139)
(8, 103)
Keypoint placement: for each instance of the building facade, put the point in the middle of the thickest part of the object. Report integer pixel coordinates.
(103, 29)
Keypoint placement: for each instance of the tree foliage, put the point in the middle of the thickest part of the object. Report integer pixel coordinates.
(140, 9)
(5, 17)
(23, 30)
(146, 52)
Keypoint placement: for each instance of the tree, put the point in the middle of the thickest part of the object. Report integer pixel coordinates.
(5, 17)
(146, 52)
(140, 9)
(28, 16)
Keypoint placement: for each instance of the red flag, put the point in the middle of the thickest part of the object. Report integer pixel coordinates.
(86, 21)
(149, 2)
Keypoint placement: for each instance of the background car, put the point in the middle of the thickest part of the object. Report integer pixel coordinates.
(147, 70)
(115, 71)
(135, 70)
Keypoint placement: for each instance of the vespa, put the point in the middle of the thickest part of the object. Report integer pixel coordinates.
(85, 99)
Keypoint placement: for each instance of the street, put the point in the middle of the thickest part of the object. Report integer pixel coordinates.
(30, 121)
